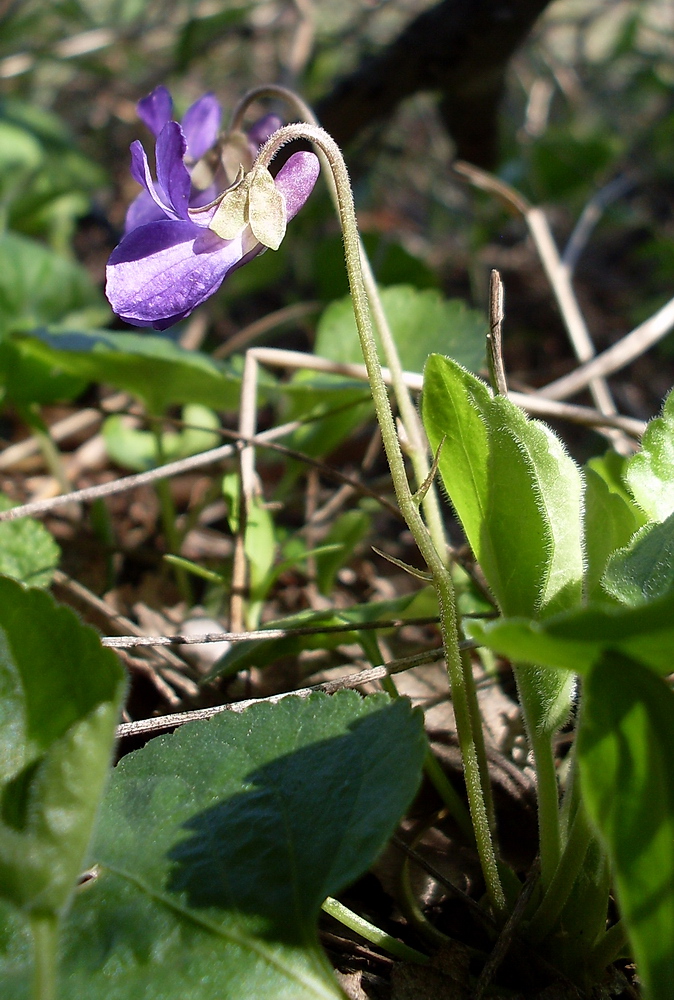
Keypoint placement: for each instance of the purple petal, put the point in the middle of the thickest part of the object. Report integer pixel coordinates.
(295, 180)
(172, 174)
(142, 210)
(260, 131)
(140, 171)
(201, 125)
(155, 110)
(160, 272)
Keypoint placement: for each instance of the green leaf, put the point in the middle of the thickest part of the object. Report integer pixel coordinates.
(152, 367)
(218, 844)
(132, 448)
(20, 153)
(563, 164)
(645, 569)
(518, 497)
(516, 491)
(625, 750)
(27, 379)
(346, 532)
(260, 652)
(61, 694)
(331, 406)
(259, 544)
(38, 286)
(575, 639)
(650, 473)
(58, 191)
(610, 522)
(611, 467)
(28, 552)
(421, 322)
(453, 407)
(198, 34)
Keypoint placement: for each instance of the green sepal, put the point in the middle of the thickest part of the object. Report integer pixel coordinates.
(252, 200)
(266, 209)
(231, 214)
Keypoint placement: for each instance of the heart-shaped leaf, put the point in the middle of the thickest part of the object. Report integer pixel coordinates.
(218, 844)
(421, 322)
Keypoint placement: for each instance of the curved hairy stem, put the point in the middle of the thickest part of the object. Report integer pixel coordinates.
(416, 443)
(408, 506)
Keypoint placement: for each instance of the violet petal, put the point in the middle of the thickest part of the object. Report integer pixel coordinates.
(156, 109)
(143, 209)
(172, 174)
(201, 125)
(260, 131)
(140, 171)
(295, 180)
(160, 272)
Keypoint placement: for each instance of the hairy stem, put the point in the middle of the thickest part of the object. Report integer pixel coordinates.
(432, 767)
(408, 507)
(416, 442)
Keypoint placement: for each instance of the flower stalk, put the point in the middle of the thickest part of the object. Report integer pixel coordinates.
(416, 445)
(408, 506)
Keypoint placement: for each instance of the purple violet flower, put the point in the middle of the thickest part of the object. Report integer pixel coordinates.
(171, 258)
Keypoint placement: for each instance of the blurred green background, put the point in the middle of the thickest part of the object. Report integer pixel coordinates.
(590, 98)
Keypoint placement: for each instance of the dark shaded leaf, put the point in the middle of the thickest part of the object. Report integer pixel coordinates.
(218, 844)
